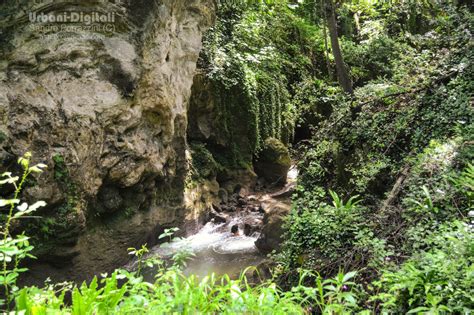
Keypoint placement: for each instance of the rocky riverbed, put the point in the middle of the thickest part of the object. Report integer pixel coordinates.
(258, 216)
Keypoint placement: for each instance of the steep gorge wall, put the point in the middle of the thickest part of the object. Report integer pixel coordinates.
(106, 109)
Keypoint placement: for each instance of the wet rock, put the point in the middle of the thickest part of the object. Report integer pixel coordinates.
(273, 162)
(228, 208)
(254, 208)
(252, 198)
(286, 192)
(247, 229)
(236, 180)
(260, 183)
(217, 208)
(237, 189)
(223, 195)
(218, 217)
(252, 226)
(272, 231)
(243, 192)
(234, 197)
(195, 212)
(241, 201)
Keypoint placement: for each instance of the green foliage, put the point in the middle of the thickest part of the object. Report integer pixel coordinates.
(139, 255)
(465, 184)
(362, 146)
(253, 62)
(14, 248)
(373, 59)
(331, 229)
(342, 206)
(60, 169)
(436, 192)
(172, 292)
(436, 281)
(372, 251)
(334, 294)
(405, 136)
(61, 174)
(57, 228)
(203, 163)
(168, 233)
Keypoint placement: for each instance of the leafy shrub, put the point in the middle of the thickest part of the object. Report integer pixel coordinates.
(372, 59)
(437, 281)
(127, 293)
(320, 234)
(14, 248)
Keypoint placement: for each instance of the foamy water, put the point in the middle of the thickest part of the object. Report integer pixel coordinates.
(216, 249)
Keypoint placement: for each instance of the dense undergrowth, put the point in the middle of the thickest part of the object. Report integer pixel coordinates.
(384, 206)
(386, 180)
(126, 292)
(435, 280)
(255, 58)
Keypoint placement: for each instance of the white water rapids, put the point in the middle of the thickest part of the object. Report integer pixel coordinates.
(216, 249)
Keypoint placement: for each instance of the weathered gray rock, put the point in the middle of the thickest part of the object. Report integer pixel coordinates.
(107, 111)
(272, 231)
(223, 195)
(111, 199)
(238, 181)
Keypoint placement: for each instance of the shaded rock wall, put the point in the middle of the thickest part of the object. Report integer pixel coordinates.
(106, 109)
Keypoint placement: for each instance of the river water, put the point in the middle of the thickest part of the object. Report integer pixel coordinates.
(216, 250)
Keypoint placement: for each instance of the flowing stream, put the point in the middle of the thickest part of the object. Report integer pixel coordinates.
(216, 249)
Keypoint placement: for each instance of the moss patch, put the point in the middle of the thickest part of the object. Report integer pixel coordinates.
(203, 163)
(3, 137)
(274, 151)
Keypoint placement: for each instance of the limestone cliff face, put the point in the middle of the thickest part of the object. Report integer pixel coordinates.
(105, 107)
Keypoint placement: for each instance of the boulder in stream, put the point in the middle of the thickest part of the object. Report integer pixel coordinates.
(274, 162)
(217, 217)
(272, 231)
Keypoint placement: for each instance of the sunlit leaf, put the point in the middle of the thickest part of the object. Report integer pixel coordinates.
(22, 207)
(5, 202)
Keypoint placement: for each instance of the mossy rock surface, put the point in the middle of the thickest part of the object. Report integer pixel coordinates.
(273, 162)
(204, 165)
(3, 137)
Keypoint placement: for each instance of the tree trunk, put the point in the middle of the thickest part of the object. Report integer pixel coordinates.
(342, 73)
(326, 49)
(357, 24)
